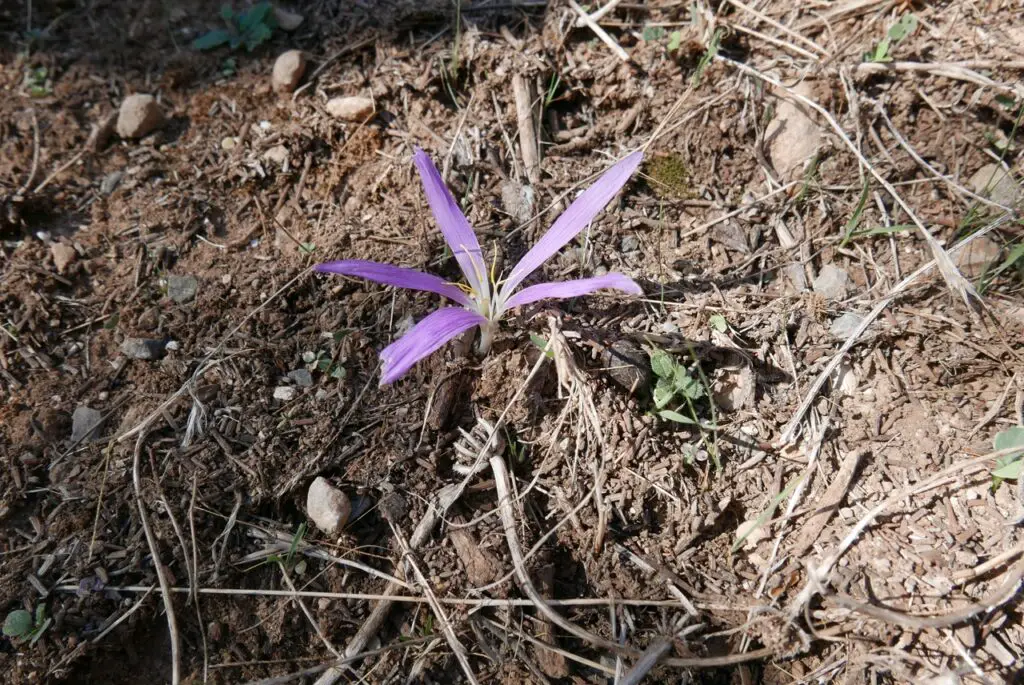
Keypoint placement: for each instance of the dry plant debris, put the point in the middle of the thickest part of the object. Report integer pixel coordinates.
(795, 457)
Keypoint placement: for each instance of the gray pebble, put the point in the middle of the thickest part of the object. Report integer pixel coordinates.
(110, 181)
(301, 378)
(844, 326)
(85, 424)
(627, 365)
(182, 289)
(143, 348)
(630, 243)
(832, 282)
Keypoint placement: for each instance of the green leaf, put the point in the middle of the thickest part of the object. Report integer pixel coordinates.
(542, 344)
(687, 385)
(652, 33)
(1010, 471)
(675, 39)
(40, 615)
(906, 25)
(256, 16)
(211, 40)
(718, 322)
(309, 357)
(663, 393)
(338, 372)
(255, 37)
(662, 363)
(226, 13)
(1016, 254)
(1009, 439)
(677, 417)
(18, 623)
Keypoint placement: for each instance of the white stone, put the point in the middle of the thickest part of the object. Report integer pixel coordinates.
(350, 108)
(845, 326)
(327, 506)
(139, 115)
(63, 255)
(832, 282)
(285, 393)
(799, 138)
(288, 70)
(993, 182)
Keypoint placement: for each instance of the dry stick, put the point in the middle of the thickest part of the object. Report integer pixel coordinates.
(305, 610)
(954, 279)
(789, 433)
(35, 155)
(165, 587)
(599, 14)
(484, 603)
(829, 503)
(961, 577)
(289, 677)
(599, 32)
(503, 631)
(960, 71)
(528, 143)
(446, 626)
(503, 491)
(59, 170)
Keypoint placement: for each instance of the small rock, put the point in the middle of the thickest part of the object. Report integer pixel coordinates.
(140, 115)
(629, 243)
(110, 181)
(517, 199)
(974, 259)
(228, 143)
(799, 138)
(63, 255)
(277, 155)
(288, 71)
(143, 348)
(844, 326)
(182, 289)
(992, 181)
(393, 507)
(832, 282)
(301, 378)
(327, 506)
(288, 21)
(285, 393)
(357, 109)
(627, 365)
(85, 424)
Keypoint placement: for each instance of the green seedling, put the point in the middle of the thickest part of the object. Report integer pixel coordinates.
(1009, 466)
(323, 361)
(652, 33)
(676, 391)
(38, 83)
(718, 323)
(906, 25)
(23, 625)
(542, 344)
(767, 513)
(707, 57)
(675, 41)
(251, 28)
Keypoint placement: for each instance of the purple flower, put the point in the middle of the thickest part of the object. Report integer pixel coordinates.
(485, 299)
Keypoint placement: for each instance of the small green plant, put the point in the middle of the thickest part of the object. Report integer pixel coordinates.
(1009, 466)
(323, 361)
(675, 41)
(906, 25)
(651, 33)
(251, 28)
(38, 83)
(707, 57)
(675, 386)
(542, 345)
(718, 323)
(23, 625)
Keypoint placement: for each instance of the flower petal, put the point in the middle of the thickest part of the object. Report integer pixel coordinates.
(582, 286)
(453, 224)
(573, 220)
(429, 334)
(397, 276)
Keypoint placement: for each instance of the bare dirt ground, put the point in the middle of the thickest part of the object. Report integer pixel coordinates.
(825, 512)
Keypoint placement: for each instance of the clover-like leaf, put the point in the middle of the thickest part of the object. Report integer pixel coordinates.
(663, 392)
(662, 364)
(18, 623)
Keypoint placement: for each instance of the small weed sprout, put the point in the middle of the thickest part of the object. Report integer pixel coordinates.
(251, 28)
(37, 82)
(23, 625)
(675, 389)
(906, 25)
(1011, 465)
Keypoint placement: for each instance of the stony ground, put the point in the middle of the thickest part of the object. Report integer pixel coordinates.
(827, 230)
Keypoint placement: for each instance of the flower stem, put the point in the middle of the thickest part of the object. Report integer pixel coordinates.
(486, 337)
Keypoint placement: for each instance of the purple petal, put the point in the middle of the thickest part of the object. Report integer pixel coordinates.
(397, 276)
(453, 224)
(560, 291)
(425, 337)
(574, 219)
